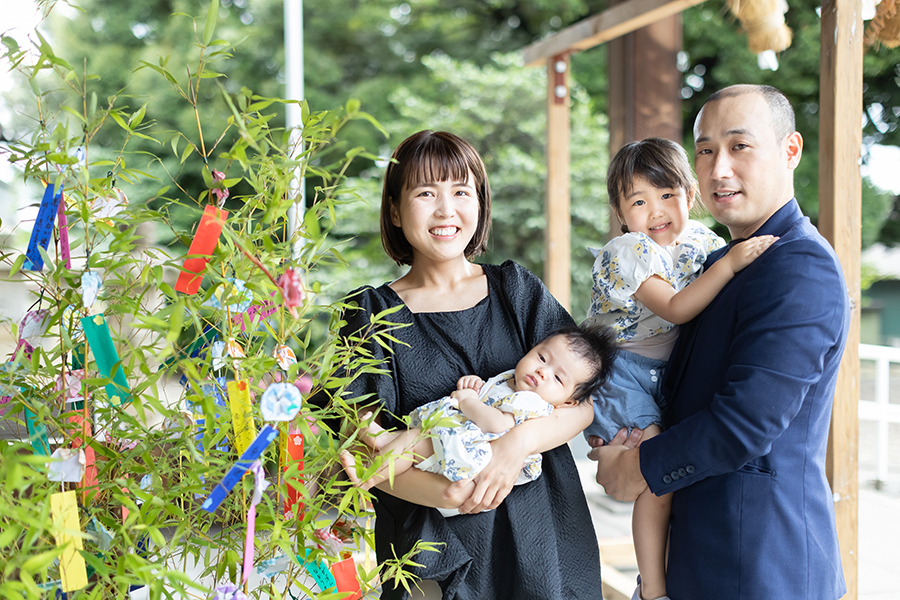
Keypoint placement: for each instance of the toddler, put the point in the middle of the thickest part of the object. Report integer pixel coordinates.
(640, 288)
(566, 368)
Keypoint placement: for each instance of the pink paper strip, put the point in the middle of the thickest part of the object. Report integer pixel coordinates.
(64, 234)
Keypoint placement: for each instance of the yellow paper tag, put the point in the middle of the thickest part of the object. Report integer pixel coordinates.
(241, 414)
(72, 570)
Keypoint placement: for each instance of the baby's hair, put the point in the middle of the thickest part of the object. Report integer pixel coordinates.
(661, 162)
(431, 157)
(596, 344)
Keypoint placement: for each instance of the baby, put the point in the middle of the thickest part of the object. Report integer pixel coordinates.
(566, 368)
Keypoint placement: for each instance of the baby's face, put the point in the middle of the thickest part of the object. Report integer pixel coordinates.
(552, 370)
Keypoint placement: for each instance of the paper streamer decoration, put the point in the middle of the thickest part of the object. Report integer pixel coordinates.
(345, 577)
(97, 333)
(64, 511)
(43, 229)
(37, 433)
(259, 486)
(79, 438)
(319, 571)
(202, 247)
(280, 402)
(64, 253)
(238, 470)
(293, 456)
(241, 414)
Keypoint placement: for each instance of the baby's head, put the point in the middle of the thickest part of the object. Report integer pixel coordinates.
(569, 366)
(651, 187)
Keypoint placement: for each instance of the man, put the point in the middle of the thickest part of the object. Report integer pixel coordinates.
(750, 384)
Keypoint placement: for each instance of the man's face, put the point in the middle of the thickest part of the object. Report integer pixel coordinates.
(745, 173)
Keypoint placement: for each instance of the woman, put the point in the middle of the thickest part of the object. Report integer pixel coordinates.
(535, 540)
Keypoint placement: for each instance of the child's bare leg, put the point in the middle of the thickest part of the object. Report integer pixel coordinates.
(374, 435)
(650, 528)
(405, 449)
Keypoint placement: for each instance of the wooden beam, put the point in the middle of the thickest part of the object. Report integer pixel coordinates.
(840, 138)
(557, 274)
(614, 22)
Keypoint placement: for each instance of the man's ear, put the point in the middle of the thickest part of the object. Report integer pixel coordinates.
(794, 149)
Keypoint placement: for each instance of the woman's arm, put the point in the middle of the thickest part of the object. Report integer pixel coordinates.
(680, 307)
(534, 436)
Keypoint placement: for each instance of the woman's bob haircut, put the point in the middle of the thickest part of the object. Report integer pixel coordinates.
(431, 157)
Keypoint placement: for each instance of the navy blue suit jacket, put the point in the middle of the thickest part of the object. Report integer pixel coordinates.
(750, 387)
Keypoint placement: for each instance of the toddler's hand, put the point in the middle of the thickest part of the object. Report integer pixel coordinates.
(470, 382)
(747, 251)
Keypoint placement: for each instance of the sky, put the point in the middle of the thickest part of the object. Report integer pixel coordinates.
(21, 16)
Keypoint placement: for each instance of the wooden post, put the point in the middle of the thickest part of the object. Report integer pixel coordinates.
(557, 237)
(840, 138)
(644, 88)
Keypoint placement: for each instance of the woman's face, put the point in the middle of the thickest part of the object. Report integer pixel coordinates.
(439, 218)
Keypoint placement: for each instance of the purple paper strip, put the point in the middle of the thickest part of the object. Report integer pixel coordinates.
(64, 234)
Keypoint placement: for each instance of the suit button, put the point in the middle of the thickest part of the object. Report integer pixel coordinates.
(674, 474)
(667, 479)
(689, 469)
(682, 472)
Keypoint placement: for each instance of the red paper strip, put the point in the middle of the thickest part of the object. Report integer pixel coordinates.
(64, 253)
(293, 454)
(202, 247)
(345, 577)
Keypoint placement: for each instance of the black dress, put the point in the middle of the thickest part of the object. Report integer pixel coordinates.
(540, 542)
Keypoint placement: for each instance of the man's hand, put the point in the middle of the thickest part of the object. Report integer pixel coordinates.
(619, 464)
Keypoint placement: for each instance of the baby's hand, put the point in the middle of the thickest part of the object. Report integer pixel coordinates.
(463, 395)
(470, 382)
(747, 251)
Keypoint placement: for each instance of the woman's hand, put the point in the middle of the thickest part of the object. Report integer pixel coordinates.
(490, 487)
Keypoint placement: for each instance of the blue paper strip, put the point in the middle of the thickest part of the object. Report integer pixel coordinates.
(240, 468)
(43, 229)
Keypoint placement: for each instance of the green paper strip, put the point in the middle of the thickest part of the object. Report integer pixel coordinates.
(97, 333)
(37, 434)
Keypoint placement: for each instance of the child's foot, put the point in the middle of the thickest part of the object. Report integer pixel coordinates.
(371, 432)
(349, 465)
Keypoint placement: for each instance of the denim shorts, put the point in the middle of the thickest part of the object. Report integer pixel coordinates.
(631, 398)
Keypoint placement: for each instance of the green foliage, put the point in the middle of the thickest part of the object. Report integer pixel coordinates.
(159, 455)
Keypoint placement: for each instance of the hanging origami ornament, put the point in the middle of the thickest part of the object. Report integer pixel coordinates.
(291, 286)
(67, 465)
(328, 541)
(109, 206)
(221, 193)
(285, 356)
(34, 324)
(233, 290)
(280, 402)
(70, 385)
(228, 591)
(91, 282)
(273, 566)
(259, 486)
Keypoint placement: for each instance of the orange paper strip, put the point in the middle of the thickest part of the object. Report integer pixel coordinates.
(202, 247)
(79, 438)
(293, 454)
(64, 511)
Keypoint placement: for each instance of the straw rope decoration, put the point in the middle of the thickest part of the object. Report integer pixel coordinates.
(763, 22)
(885, 27)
